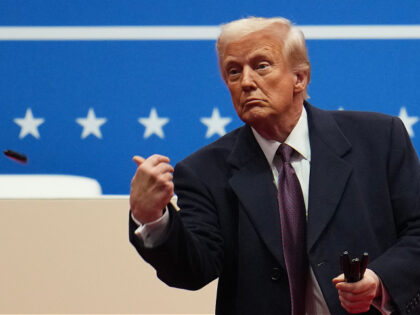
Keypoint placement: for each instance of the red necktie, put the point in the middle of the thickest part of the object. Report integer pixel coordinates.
(293, 228)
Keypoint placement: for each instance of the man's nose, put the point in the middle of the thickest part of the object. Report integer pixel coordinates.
(248, 80)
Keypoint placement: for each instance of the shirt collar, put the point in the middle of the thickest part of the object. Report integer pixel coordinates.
(298, 139)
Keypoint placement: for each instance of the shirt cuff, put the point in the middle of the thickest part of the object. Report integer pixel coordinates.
(383, 302)
(151, 233)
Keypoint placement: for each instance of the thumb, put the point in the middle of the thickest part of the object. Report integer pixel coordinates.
(138, 159)
(338, 279)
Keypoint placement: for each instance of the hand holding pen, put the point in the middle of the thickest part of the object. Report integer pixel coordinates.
(355, 268)
(358, 286)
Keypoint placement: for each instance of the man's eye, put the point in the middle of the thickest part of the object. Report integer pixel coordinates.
(233, 71)
(262, 66)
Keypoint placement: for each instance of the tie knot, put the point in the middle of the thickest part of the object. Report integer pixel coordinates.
(285, 152)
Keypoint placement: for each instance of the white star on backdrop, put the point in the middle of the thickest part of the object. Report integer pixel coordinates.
(215, 123)
(408, 121)
(153, 124)
(91, 124)
(29, 124)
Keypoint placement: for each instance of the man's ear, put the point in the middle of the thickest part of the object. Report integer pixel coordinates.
(301, 81)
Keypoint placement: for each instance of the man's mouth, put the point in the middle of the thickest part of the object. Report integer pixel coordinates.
(252, 102)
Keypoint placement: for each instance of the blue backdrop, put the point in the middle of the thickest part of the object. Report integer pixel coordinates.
(122, 83)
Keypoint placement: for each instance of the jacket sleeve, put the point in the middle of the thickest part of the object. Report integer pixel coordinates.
(398, 267)
(190, 255)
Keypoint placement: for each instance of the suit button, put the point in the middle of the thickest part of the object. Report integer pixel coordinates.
(321, 263)
(275, 274)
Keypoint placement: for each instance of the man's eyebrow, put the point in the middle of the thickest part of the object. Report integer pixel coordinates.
(230, 62)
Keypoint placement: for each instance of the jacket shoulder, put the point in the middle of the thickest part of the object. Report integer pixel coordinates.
(360, 117)
(365, 124)
(216, 152)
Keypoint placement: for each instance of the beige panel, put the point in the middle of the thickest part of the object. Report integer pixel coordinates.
(73, 257)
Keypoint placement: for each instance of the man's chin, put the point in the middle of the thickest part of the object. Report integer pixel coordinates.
(254, 118)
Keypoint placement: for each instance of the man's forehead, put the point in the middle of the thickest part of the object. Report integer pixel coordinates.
(254, 51)
(256, 43)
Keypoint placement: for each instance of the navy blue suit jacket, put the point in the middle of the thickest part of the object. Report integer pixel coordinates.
(364, 195)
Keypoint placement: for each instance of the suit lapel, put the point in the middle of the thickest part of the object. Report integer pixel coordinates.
(329, 171)
(252, 182)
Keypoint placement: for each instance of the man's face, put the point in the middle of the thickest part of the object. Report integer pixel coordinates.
(262, 86)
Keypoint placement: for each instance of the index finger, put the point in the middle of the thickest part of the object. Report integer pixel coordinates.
(353, 287)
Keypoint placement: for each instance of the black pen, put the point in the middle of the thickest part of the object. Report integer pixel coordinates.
(16, 156)
(363, 264)
(346, 264)
(354, 270)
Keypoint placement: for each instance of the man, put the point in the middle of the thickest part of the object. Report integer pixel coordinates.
(358, 187)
